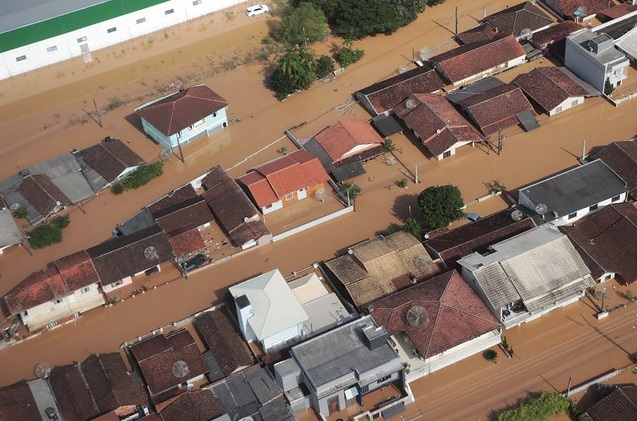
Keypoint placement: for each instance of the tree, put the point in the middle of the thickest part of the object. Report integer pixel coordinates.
(608, 87)
(324, 66)
(441, 205)
(295, 70)
(490, 355)
(412, 226)
(44, 235)
(547, 405)
(302, 25)
(352, 189)
(346, 55)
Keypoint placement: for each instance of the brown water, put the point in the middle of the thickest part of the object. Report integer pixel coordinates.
(36, 111)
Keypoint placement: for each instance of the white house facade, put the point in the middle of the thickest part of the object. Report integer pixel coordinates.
(34, 36)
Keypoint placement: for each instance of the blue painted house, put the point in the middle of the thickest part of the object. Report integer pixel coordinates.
(179, 118)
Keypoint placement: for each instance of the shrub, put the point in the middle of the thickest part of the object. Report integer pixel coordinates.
(547, 405)
(44, 235)
(20, 212)
(630, 296)
(413, 227)
(353, 189)
(490, 355)
(402, 183)
(142, 175)
(324, 66)
(61, 221)
(347, 56)
(117, 188)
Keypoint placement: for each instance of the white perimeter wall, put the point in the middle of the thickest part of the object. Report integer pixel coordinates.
(97, 36)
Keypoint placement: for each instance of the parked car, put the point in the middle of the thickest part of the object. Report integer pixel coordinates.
(257, 9)
(473, 217)
(194, 262)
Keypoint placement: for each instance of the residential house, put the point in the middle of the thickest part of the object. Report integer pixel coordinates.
(477, 236)
(71, 393)
(268, 312)
(284, 180)
(436, 323)
(593, 57)
(527, 276)
(65, 289)
(36, 194)
(347, 363)
(168, 363)
(552, 89)
(382, 97)
(233, 210)
(218, 332)
(380, 266)
(252, 394)
(10, 234)
(552, 40)
(570, 195)
(194, 405)
(111, 159)
(477, 60)
(437, 124)
(619, 405)
(621, 157)
(181, 117)
(481, 33)
(627, 44)
(576, 9)
(498, 108)
(617, 11)
(120, 259)
(606, 243)
(111, 385)
(27, 401)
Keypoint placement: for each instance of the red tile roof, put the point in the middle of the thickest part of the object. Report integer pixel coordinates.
(385, 95)
(481, 33)
(193, 211)
(618, 10)
(176, 196)
(234, 211)
(472, 59)
(197, 405)
(284, 175)
(608, 238)
(496, 108)
(549, 87)
(620, 405)
(514, 19)
(437, 315)
(77, 270)
(157, 355)
(110, 158)
(588, 7)
(71, 394)
(435, 121)
(621, 157)
(186, 241)
(38, 288)
(42, 194)
(221, 337)
(340, 139)
(550, 34)
(477, 236)
(110, 384)
(18, 404)
(182, 109)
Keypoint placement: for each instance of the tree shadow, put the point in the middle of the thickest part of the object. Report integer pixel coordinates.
(406, 206)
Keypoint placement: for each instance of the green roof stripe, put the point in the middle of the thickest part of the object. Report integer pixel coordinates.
(50, 28)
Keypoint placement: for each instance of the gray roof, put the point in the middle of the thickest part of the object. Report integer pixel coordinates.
(65, 172)
(16, 14)
(342, 353)
(539, 267)
(605, 55)
(9, 191)
(141, 220)
(340, 173)
(575, 189)
(9, 232)
(471, 90)
(43, 397)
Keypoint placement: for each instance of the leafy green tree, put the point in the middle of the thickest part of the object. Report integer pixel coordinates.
(302, 25)
(44, 235)
(346, 55)
(354, 190)
(61, 221)
(295, 69)
(434, 2)
(412, 226)
(441, 205)
(547, 405)
(490, 355)
(142, 175)
(324, 66)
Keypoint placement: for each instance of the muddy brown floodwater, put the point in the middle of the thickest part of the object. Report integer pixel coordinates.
(43, 114)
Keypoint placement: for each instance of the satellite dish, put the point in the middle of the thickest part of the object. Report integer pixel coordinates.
(42, 370)
(541, 209)
(411, 104)
(517, 215)
(180, 369)
(246, 219)
(526, 34)
(14, 207)
(320, 194)
(417, 316)
(150, 253)
(425, 54)
(421, 262)
(402, 69)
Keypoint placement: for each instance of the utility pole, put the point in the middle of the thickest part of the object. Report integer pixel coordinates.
(97, 113)
(484, 13)
(583, 149)
(416, 180)
(568, 389)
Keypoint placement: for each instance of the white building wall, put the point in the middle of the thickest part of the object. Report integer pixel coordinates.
(577, 60)
(575, 216)
(68, 45)
(273, 207)
(569, 102)
(270, 343)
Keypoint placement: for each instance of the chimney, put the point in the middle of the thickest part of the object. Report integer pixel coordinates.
(375, 337)
(244, 312)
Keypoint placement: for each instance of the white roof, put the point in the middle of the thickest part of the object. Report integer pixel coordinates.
(308, 288)
(275, 306)
(9, 232)
(628, 43)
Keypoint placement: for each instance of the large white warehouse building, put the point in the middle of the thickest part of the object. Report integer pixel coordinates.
(36, 33)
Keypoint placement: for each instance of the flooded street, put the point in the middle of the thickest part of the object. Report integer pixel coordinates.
(43, 114)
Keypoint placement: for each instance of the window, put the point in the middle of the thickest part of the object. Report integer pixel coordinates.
(572, 215)
(383, 379)
(83, 39)
(58, 301)
(142, 20)
(289, 196)
(558, 109)
(51, 49)
(169, 12)
(25, 313)
(20, 58)
(615, 199)
(446, 154)
(214, 114)
(593, 207)
(574, 103)
(85, 290)
(111, 30)
(196, 2)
